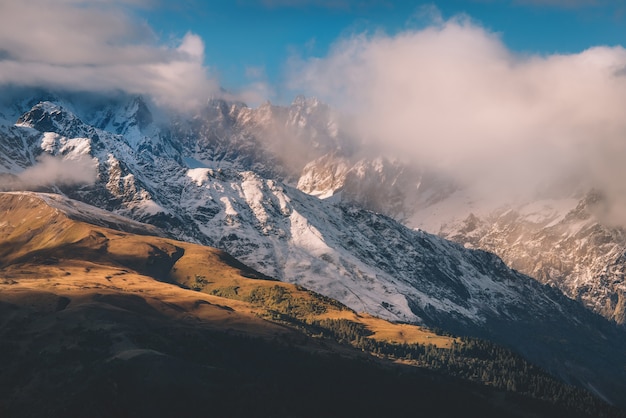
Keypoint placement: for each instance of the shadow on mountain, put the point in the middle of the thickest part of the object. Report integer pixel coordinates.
(97, 322)
(115, 355)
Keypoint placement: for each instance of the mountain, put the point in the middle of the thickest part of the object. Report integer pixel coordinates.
(385, 185)
(571, 249)
(204, 180)
(273, 141)
(105, 322)
(558, 239)
(562, 236)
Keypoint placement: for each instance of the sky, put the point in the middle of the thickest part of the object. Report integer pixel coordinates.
(189, 48)
(250, 41)
(505, 94)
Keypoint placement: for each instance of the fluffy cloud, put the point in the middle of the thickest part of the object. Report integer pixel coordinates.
(453, 96)
(98, 46)
(53, 171)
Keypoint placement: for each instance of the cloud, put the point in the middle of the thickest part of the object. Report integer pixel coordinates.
(98, 46)
(53, 171)
(454, 97)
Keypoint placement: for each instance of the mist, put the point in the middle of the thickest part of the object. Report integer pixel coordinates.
(453, 97)
(87, 46)
(53, 171)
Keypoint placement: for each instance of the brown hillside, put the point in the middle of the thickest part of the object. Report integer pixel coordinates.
(99, 322)
(44, 252)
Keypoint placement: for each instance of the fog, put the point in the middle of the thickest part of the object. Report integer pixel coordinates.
(99, 46)
(450, 96)
(454, 97)
(53, 171)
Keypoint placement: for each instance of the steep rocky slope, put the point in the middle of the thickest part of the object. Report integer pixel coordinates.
(557, 237)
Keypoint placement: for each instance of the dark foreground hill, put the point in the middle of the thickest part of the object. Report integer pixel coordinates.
(99, 322)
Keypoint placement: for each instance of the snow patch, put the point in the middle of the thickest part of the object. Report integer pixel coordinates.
(76, 147)
(150, 207)
(229, 210)
(199, 175)
(49, 141)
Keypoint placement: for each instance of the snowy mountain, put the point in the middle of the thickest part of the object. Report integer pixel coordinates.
(274, 141)
(211, 179)
(559, 242)
(381, 184)
(555, 237)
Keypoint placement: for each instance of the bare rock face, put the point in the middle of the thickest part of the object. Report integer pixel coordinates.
(572, 250)
(564, 242)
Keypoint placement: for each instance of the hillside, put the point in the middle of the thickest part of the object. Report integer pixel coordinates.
(567, 236)
(105, 322)
(171, 175)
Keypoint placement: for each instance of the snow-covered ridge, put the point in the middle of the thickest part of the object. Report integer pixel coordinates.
(558, 242)
(340, 251)
(231, 200)
(541, 236)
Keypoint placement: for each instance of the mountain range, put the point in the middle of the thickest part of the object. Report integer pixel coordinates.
(100, 321)
(285, 192)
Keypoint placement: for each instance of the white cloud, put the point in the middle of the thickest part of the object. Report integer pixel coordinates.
(98, 46)
(54, 171)
(454, 96)
(193, 46)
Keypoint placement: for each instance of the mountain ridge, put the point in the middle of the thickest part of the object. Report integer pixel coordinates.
(83, 309)
(365, 260)
(514, 230)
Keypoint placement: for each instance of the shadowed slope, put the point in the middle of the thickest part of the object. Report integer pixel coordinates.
(42, 241)
(86, 329)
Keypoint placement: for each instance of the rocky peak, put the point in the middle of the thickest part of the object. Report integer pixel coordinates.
(51, 117)
(137, 111)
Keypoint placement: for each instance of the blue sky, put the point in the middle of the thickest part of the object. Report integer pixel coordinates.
(529, 89)
(247, 40)
(183, 51)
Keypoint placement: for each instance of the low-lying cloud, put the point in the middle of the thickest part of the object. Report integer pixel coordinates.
(454, 97)
(82, 45)
(53, 171)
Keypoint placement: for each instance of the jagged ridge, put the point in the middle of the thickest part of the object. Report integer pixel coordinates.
(365, 260)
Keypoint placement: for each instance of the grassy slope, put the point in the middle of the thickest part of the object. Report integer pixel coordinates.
(42, 242)
(80, 303)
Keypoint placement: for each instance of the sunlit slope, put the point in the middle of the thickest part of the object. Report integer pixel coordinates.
(55, 263)
(43, 249)
(140, 325)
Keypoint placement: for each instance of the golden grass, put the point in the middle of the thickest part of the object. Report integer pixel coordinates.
(82, 283)
(405, 333)
(199, 266)
(45, 252)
